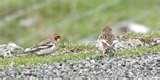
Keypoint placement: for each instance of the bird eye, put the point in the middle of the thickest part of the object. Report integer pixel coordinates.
(57, 37)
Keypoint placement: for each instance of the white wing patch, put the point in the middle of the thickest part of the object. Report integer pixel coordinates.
(46, 51)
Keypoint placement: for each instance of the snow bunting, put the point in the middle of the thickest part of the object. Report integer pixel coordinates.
(47, 46)
(105, 40)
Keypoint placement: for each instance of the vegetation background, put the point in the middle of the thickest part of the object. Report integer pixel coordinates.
(27, 22)
(73, 19)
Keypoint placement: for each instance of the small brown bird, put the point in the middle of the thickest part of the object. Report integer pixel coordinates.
(105, 40)
(47, 46)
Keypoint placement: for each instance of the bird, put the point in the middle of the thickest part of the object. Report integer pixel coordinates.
(45, 47)
(105, 40)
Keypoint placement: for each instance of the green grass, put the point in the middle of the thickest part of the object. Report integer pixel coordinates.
(74, 19)
(138, 51)
(66, 52)
(79, 52)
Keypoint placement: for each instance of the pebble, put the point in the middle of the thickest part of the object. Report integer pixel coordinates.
(146, 67)
(10, 49)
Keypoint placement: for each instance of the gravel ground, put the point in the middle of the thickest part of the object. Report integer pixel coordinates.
(145, 67)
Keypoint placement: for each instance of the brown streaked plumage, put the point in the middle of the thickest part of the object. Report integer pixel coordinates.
(105, 40)
(47, 46)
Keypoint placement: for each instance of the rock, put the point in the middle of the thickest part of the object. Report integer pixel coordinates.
(155, 41)
(142, 67)
(119, 44)
(10, 49)
(126, 26)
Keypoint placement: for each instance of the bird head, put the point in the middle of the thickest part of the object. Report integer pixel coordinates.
(106, 32)
(107, 29)
(55, 37)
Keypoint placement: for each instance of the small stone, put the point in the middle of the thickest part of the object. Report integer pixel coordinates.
(10, 49)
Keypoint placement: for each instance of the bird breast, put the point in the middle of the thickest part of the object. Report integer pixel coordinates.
(100, 44)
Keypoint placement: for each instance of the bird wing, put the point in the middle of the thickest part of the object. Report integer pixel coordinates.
(42, 45)
(105, 44)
